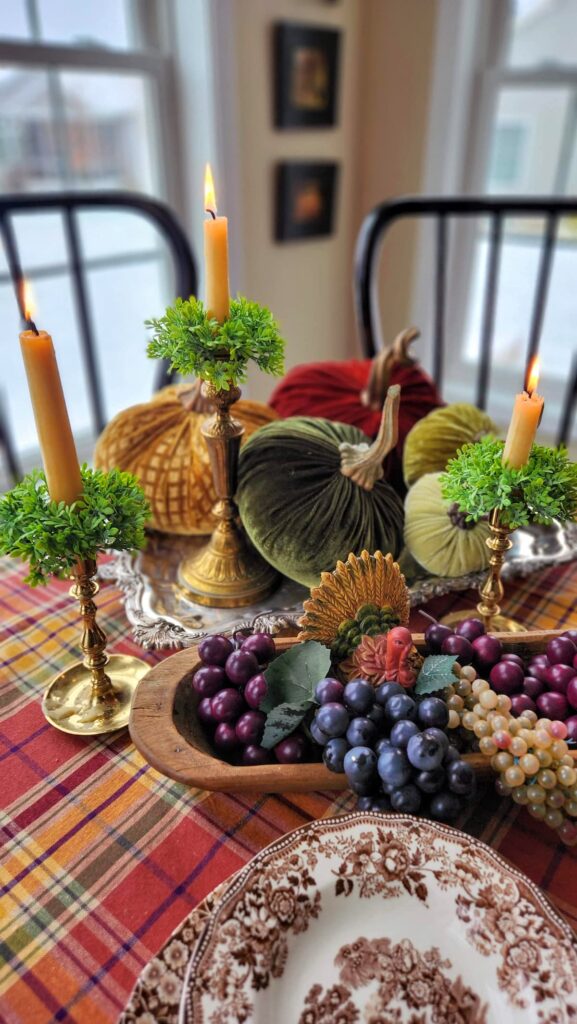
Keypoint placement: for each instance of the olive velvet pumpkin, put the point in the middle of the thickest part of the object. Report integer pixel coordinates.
(299, 508)
(437, 438)
(438, 535)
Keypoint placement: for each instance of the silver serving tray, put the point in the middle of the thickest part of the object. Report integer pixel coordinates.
(161, 614)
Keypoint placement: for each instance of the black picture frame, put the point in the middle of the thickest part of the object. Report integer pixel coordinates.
(306, 64)
(305, 199)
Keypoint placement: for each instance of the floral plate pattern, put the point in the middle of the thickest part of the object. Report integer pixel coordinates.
(365, 919)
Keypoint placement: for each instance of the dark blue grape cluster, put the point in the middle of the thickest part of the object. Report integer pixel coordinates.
(393, 749)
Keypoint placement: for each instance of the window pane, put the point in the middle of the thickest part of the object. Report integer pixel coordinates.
(28, 152)
(109, 131)
(121, 299)
(55, 313)
(40, 240)
(516, 293)
(14, 20)
(108, 232)
(543, 32)
(527, 140)
(68, 21)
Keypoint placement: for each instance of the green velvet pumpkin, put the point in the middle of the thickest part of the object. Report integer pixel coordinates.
(438, 436)
(298, 508)
(437, 534)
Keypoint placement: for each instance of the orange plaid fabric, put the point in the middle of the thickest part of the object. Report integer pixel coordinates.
(102, 856)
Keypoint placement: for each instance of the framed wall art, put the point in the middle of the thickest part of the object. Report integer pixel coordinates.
(306, 62)
(305, 200)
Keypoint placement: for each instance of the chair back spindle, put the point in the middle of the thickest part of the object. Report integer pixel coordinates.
(496, 209)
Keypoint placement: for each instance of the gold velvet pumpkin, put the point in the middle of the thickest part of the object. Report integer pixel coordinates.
(438, 436)
(161, 443)
(438, 535)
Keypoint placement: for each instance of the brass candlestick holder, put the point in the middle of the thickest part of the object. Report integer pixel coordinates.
(228, 572)
(92, 696)
(492, 590)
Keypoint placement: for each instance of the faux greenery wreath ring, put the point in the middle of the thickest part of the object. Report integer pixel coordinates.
(542, 490)
(51, 536)
(218, 353)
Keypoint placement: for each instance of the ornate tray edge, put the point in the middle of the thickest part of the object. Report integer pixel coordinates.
(166, 633)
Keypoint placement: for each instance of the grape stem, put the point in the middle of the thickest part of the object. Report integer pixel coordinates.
(427, 616)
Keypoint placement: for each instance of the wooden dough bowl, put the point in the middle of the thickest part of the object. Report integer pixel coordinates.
(166, 731)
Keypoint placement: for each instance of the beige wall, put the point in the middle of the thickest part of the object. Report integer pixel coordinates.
(379, 141)
(398, 43)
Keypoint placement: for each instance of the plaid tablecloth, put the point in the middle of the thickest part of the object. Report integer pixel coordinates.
(103, 857)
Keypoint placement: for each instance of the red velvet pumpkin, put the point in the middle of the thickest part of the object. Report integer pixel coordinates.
(353, 391)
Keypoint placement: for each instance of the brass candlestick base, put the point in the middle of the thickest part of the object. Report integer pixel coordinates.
(228, 572)
(499, 623)
(85, 699)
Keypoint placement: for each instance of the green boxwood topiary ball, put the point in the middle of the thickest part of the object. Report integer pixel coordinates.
(300, 511)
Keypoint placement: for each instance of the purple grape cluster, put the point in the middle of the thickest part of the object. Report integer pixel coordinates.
(468, 643)
(547, 685)
(550, 681)
(231, 686)
(394, 750)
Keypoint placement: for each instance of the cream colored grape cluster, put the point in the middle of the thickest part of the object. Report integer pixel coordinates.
(529, 754)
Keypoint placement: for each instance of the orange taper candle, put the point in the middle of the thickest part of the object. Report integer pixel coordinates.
(526, 417)
(215, 255)
(50, 413)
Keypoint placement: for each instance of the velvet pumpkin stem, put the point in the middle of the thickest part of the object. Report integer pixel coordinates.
(397, 354)
(363, 463)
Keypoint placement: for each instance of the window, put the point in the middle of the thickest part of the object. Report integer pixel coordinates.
(523, 141)
(509, 143)
(85, 103)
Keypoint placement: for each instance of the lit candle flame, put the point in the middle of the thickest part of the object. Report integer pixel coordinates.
(533, 376)
(28, 303)
(209, 195)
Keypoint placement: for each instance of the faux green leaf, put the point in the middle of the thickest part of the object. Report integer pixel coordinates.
(436, 673)
(283, 720)
(291, 678)
(542, 490)
(218, 353)
(51, 536)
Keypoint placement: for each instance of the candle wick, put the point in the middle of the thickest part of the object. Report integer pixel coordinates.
(32, 326)
(212, 213)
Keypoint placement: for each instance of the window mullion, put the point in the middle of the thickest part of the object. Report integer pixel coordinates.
(33, 20)
(532, 78)
(58, 110)
(40, 54)
(566, 148)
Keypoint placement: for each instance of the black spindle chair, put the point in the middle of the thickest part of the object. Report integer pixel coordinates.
(70, 205)
(440, 209)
